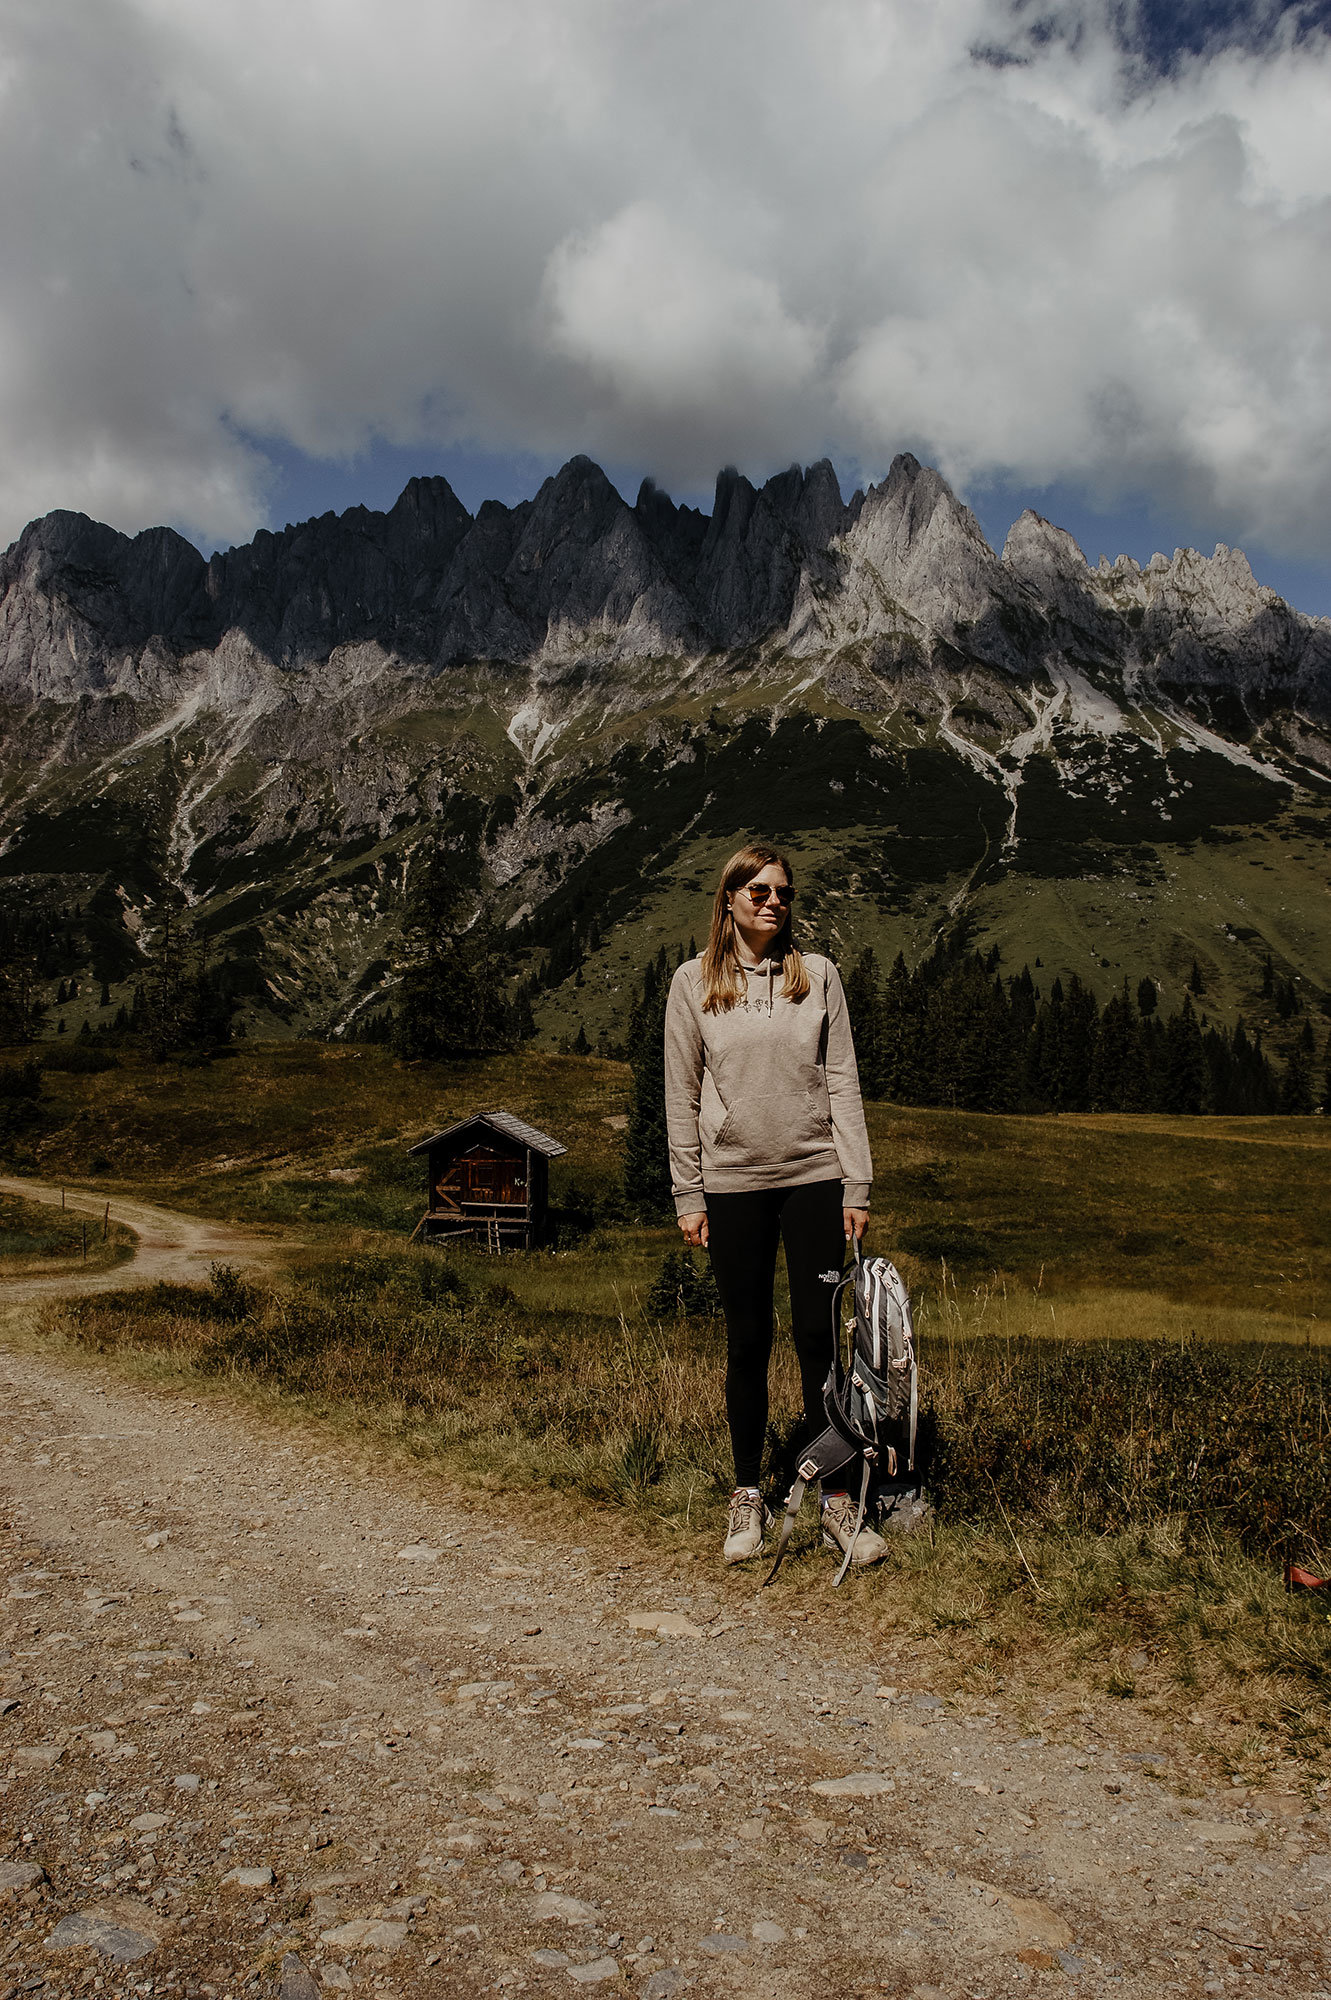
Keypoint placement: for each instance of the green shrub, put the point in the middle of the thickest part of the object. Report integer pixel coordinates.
(229, 1297)
(417, 1275)
(682, 1289)
(79, 1056)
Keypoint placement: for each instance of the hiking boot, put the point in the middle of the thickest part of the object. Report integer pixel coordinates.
(745, 1527)
(839, 1513)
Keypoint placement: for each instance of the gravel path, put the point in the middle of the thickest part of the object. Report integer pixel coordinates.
(273, 1719)
(169, 1245)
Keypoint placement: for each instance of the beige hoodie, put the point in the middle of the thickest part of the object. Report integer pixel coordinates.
(766, 1095)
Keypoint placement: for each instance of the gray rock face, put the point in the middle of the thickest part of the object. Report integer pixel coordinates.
(575, 575)
(297, 1982)
(341, 578)
(105, 1931)
(571, 565)
(16, 1876)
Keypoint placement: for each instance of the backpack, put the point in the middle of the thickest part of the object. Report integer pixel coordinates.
(876, 1387)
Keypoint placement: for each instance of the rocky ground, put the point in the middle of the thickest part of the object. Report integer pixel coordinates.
(273, 1718)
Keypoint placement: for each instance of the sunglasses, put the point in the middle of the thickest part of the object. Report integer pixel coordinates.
(758, 892)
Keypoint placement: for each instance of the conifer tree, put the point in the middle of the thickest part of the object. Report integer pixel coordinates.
(1148, 1065)
(969, 1038)
(1187, 1076)
(1296, 1086)
(524, 1021)
(181, 1005)
(1114, 1062)
(646, 1145)
(1023, 1002)
(1233, 1097)
(1297, 1098)
(433, 999)
(902, 1080)
(1046, 1030)
(864, 1003)
(1083, 1020)
(1064, 1047)
(453, 998)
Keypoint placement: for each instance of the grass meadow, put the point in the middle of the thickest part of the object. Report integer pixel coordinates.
(1122, 1329)
(36, 1239)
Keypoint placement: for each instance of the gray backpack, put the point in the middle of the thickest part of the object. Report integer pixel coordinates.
(876, 1387)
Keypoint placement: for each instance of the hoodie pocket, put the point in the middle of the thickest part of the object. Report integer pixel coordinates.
(818, 1107)
(713, 1114)
(769, 1126)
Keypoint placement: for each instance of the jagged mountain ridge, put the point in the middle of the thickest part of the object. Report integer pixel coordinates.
(788, 564)
(271, 728)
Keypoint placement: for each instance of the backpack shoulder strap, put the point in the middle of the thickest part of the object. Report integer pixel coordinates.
(827, 1454)
(859, 1523)
(829, 1451)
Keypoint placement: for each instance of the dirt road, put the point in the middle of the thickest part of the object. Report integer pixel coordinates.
(273, 1718)
(169, 1245)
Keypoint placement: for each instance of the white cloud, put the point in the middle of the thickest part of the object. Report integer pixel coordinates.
(673, 329)
(675, 233)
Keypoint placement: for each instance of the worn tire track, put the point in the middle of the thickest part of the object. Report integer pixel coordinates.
(170, 1246)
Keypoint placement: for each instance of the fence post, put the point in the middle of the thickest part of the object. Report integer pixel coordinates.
(85, 1242)
(106, 1222)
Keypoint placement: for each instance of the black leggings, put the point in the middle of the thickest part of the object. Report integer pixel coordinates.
(743, 1231)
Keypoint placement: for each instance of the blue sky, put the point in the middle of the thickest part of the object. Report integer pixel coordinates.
(265, 261)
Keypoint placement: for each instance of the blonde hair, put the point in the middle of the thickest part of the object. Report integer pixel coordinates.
(723, 981)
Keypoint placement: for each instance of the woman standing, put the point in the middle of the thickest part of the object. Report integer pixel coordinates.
(767, 1145)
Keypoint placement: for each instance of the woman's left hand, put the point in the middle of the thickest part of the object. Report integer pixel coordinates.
(857, 1221)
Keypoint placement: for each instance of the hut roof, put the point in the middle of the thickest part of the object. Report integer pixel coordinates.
(498, 1121)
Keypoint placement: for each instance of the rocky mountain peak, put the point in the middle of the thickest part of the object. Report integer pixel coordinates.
(676, 534)
(916, 541)
(1050, 561)
(429, 512)
(820, 512)
(113, 590)
(1035, 548)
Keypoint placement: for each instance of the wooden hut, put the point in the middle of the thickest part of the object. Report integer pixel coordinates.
(487, 1177)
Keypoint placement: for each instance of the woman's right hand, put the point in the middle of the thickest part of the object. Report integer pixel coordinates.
(694, 1228)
